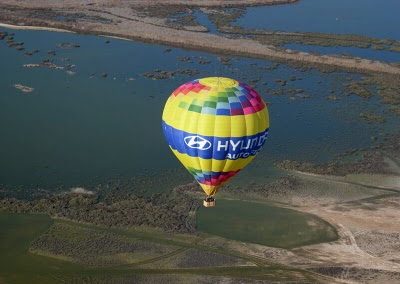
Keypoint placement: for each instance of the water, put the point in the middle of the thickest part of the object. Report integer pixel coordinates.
(380, 55)
(202, 19)
(263, 224)
(80, 129)
(373, 18)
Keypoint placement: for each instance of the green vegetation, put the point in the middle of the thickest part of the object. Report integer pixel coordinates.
(372, 117)
(299, 189)
(359, 88)
(93, 247)
(355, 161)
(200, 258)
(388, 87)
(18, 265)
(264, 224)
(111, 208)
(224, 17)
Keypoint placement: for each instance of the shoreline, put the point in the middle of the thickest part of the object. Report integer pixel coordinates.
(217, 3)
(221, 45)
(34, 28)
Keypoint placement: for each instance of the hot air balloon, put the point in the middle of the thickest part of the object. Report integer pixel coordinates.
(215, 126)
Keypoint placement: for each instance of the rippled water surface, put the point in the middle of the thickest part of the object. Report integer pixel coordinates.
(373, 18)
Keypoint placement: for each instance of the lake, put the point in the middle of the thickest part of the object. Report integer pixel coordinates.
(101, 118)
(373, 18)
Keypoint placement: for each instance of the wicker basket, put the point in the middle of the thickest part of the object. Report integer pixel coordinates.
(209, 202)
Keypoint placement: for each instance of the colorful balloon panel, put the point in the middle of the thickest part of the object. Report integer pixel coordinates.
(215, 126)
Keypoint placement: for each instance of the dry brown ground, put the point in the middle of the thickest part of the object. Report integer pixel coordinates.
(365, 210)
(369, 231)
(361, 218)
(200, 3)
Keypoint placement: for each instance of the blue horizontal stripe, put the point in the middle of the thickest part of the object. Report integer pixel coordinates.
(212, 147)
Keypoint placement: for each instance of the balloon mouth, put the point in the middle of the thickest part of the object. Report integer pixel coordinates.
(209, 201)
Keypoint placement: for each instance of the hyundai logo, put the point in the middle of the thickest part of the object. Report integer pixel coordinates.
(197, 142)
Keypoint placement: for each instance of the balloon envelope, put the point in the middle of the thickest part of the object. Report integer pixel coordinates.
(215, 126)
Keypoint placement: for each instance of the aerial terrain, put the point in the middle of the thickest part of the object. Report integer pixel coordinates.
(90, 192)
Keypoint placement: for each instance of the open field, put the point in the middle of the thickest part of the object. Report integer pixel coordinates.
(361, 253)
(87, 246)
(20, 266)
(16, 264)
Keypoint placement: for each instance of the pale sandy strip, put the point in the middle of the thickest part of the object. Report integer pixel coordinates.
(16, 27)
